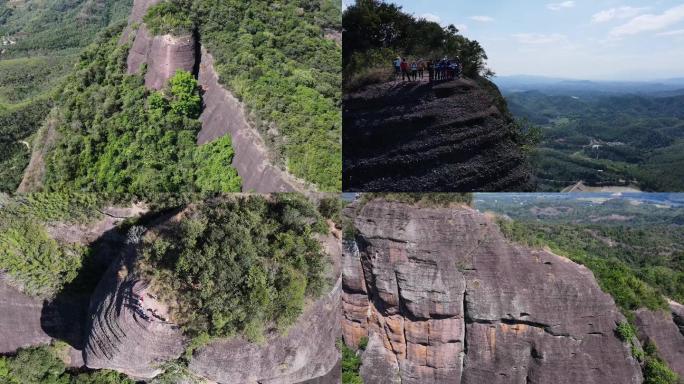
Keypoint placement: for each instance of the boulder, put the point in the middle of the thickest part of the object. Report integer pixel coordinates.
(20, 317)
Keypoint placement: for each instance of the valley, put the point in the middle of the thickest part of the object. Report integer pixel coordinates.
(626, 135)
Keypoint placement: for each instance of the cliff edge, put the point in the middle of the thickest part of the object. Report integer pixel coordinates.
(454, 136)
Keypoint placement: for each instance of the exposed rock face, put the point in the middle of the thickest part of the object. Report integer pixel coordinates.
(136, 16)
(411, 137)
(306, 354)
(450, 300)
(225, 115)
(666, 330)
(20, 319)
(164, 55)
(120, 338)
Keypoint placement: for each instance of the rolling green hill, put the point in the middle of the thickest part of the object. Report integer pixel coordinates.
(39, 44)
(606, 140)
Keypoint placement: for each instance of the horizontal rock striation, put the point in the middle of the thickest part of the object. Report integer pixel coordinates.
(450, 300)
(225, 115)
(119, 337)
(411, 137)
(666, 330)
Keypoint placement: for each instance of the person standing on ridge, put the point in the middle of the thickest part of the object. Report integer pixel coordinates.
(414, 71)
(405, 75)
(421, 68)
(397, 68)
(431, 71)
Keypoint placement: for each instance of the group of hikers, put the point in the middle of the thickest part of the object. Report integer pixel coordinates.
(443, 69)
(139, 308)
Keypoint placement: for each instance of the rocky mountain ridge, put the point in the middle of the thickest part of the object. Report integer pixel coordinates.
(223, 114)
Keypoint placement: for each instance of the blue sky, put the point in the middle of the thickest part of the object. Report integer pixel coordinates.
(582, 39)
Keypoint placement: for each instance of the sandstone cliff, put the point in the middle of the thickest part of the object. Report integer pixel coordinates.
(666, 330)
(122, 334)
(163, 55)
(224, 115)
(451, 136)
(444, 298)
(306, 353)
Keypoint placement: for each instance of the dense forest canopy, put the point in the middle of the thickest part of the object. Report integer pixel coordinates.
(238, 264)
(45, 365)
(376, 32)
(40, 265)
(39, 43)
(276, 57)
(116, 136)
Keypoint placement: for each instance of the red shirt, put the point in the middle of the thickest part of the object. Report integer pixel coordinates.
(404, 65)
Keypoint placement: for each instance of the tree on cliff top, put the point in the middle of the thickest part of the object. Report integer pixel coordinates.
(376, 32)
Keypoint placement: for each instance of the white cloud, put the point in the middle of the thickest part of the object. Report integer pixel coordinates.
(482, 19)
(559, 6)
(617, 13)
(538, 38)
(461, 27)
(649, 22)
(431, 17)
(671, 33)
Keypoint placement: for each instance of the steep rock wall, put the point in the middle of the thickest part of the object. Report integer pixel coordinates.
(224, 115)
(163, 55)
(449, 300)
(307, 353)
(119, 337)
(452, 136)
(666, 330)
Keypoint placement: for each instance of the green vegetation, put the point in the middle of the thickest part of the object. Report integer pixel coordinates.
(276, 59)
(606, 140)
(351, 363)
(117, 137)
(45, 365)
(426, 200)
(624, 271)
(655, 369)
(376, 32)
(168, 17)
(39, 264)
(240, 264)
(48, 36)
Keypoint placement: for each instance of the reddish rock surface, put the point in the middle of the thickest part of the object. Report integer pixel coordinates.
(451, 301)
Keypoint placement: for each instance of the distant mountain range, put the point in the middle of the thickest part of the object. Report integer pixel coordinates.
(561, 86)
